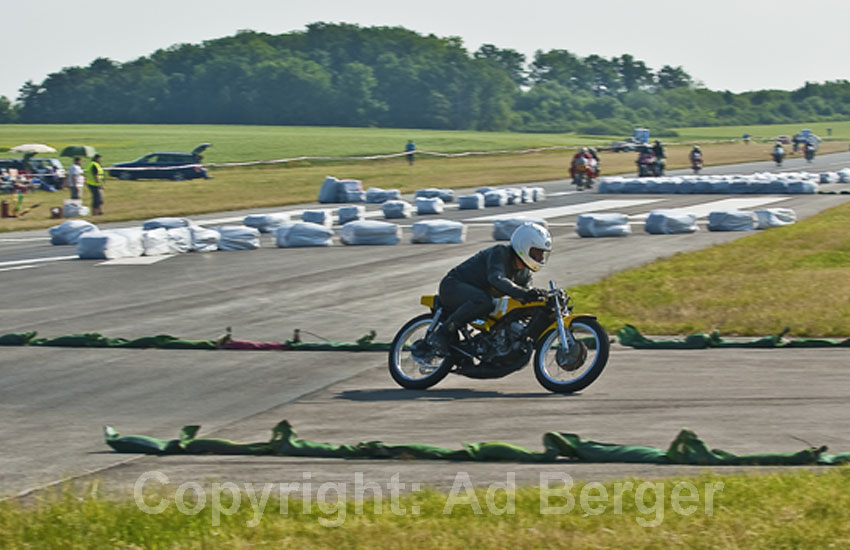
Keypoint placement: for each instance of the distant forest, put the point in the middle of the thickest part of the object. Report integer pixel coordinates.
(347, 75)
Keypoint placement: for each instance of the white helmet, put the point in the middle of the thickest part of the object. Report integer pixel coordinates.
(532, 243)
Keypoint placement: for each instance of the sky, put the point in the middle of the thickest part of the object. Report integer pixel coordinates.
(735, 45)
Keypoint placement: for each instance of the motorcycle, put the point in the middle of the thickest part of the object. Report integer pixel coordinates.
(584, 172)
(650, 165)
(809, 152)
(696, 162)
(569, 350)
(778, 155)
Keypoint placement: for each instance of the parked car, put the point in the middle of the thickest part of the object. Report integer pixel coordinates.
(629, 144)
(16, 164)
(49, 170)
(173, 166)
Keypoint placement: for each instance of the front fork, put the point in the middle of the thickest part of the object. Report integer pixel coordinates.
(565, 337)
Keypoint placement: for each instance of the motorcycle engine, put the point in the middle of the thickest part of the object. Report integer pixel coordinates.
(509, 340)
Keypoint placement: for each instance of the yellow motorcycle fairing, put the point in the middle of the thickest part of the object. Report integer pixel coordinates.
(503, 306)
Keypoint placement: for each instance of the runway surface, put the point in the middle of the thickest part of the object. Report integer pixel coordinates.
(54, 401)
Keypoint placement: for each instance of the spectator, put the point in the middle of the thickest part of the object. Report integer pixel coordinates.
(410, 148)
(95, 184)
(76, 179)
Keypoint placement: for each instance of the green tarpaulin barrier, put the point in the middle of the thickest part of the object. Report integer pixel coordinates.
(630, 336)
(164, 341)
(686, 449)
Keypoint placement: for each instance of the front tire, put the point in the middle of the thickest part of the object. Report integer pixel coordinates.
(584, 365)
(578, 180)
(415, 373)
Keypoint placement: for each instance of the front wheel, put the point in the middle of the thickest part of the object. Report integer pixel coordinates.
(576, 368)
(578, 180)
(413, 365)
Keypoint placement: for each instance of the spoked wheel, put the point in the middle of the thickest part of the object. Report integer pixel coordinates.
(568, 371)
(413, 365)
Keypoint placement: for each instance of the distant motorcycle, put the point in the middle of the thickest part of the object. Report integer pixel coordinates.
(778, 155)
(584, 172)
(809, 152)
(649, 165)
(696, 162)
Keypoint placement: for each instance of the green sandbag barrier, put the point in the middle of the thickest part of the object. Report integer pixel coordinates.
(687, 448)
(630, 336)
(164, 341)
(364, 343)
(95, 340)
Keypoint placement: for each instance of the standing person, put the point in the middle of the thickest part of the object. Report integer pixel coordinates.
(95, 183)
(410, 148)
(76, 179)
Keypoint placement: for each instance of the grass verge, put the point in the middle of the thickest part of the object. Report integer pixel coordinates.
(796, 276)
(797, 509)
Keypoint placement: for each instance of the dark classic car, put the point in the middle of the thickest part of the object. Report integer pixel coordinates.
(172, 166)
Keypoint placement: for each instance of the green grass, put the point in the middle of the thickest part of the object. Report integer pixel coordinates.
(124, 142)
(783, 510)
(840, 131)
(795, 276)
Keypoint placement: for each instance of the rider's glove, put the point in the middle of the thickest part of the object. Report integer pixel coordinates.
(535, 295)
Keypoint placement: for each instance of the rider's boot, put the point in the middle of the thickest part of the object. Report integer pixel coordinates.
(439, 339)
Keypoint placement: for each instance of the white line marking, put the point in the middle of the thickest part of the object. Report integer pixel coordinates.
(704, 209)
(24, 239)
(37, 260)
(16, 268)
(141, 260)
(560, 211)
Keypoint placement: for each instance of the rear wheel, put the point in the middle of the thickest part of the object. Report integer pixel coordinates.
(177, 176)
(412, 363)
(573, 370)
(125, 176)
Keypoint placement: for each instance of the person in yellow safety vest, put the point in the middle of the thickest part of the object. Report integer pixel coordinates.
(94, 182)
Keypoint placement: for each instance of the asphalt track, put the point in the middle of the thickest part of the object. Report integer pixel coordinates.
(53, 402)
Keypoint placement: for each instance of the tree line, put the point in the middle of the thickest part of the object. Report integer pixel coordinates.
(347, 75)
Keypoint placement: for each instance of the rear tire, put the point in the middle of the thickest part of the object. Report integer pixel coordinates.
(404, 368)
(177, 176)
(125, 176)
(547, 370)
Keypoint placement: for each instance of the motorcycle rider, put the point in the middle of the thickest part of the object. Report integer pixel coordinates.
(809, 149)
(778, 152)
(501, 270)
(582, 156)
(595, 155)
(695, 154)
(660, 157)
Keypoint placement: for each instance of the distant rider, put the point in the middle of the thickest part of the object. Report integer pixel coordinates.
(586, 158)
(660, 156)
(778, 151)
(595, 155)
(501, 270)
(695, 154)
